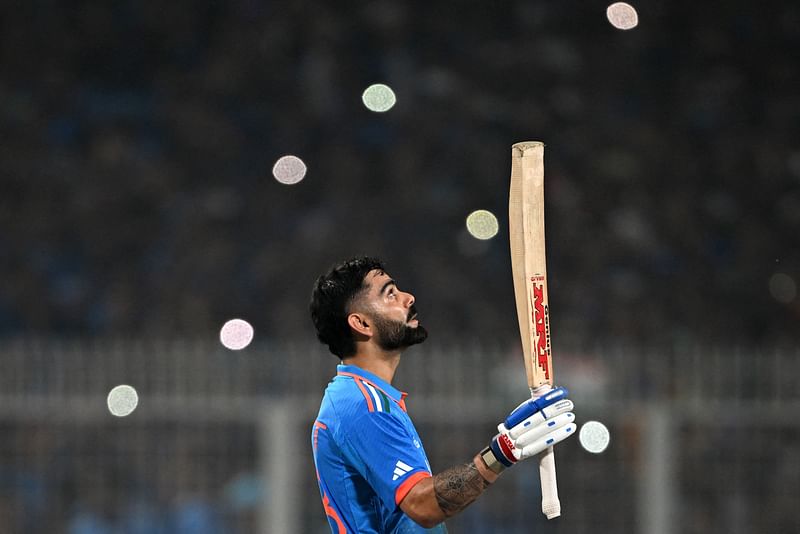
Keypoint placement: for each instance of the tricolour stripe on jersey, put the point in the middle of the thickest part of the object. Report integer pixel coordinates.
(387, 406)
(361, 380)
(366, 395)
(378, 403)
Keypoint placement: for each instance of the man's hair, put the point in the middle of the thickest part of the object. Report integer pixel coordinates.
(331, 299)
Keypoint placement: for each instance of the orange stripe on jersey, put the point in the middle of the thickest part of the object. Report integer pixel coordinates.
(410, 482)
(330, 511)
(366, 395)
(359, 379)
(317, 426)
(353, 375)
(402, 404)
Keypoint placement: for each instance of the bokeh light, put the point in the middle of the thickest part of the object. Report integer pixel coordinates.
(122, 400)
(594, 437)
(622, 16)
(289, 170)
(236, 334)
(379, 98)
(482, 224)
(782, 287)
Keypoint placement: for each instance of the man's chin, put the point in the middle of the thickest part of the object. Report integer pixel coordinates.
(419, 334)
(401, 336)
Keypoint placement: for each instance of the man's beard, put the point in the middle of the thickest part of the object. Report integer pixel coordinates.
(394, 335)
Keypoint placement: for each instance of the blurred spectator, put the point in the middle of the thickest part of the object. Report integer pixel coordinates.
(138, 138)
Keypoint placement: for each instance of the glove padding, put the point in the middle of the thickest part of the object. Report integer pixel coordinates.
(535, 425)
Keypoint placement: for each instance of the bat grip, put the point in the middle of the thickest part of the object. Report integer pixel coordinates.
(551, 506)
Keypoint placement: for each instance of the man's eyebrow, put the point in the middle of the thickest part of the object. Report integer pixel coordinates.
(388, 283)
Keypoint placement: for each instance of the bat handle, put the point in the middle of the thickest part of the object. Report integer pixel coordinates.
(551, 506)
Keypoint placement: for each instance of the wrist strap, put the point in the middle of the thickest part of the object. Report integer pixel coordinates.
(491, 461)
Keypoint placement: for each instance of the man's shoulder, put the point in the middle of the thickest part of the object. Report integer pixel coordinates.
(352, 398)
(345, 398)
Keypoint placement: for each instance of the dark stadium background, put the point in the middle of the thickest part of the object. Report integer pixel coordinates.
(138, 211)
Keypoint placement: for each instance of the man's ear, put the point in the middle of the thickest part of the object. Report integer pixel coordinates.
(360, 324)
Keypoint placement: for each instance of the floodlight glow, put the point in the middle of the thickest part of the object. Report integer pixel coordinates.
(236, 334)
(594, 437)
(289, 170)
(622, 16)
(122, 400)
(379, 98)
(482, 224)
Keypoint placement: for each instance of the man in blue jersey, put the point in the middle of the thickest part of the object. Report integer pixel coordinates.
(371, 466)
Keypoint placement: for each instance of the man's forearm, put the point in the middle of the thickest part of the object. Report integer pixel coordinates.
(434, 499)
(457, 487)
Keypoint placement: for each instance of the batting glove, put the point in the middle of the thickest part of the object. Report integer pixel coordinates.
(533, 426)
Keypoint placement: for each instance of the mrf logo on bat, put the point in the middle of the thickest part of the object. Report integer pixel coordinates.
(542, 323)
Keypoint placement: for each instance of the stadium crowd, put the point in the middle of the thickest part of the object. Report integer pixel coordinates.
(138, 139)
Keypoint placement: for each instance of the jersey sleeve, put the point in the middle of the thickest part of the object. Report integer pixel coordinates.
(389, 458)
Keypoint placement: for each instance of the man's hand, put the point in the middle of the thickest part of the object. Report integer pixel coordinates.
(532, 427)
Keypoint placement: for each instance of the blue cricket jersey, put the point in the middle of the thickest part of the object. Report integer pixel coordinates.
(368, 455)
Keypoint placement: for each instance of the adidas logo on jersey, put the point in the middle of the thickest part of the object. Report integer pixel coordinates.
(401, 468)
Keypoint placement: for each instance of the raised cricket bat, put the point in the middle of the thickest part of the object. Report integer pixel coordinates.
(529, 269)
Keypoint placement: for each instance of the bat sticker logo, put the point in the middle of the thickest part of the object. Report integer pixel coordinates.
(540, 321)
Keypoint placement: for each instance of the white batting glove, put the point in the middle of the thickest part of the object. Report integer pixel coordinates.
(533, 426)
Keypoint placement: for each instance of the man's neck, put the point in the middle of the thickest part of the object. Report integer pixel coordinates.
(383, 365)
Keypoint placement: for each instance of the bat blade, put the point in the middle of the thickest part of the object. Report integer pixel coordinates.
(529, 271)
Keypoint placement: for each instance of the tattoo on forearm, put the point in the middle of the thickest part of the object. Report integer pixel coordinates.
(457, 487)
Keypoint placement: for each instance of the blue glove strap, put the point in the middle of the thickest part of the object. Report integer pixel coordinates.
(533, 406)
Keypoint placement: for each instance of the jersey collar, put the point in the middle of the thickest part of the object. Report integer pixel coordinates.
(394, 393)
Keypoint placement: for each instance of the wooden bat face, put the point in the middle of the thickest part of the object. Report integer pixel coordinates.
(526, 231)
